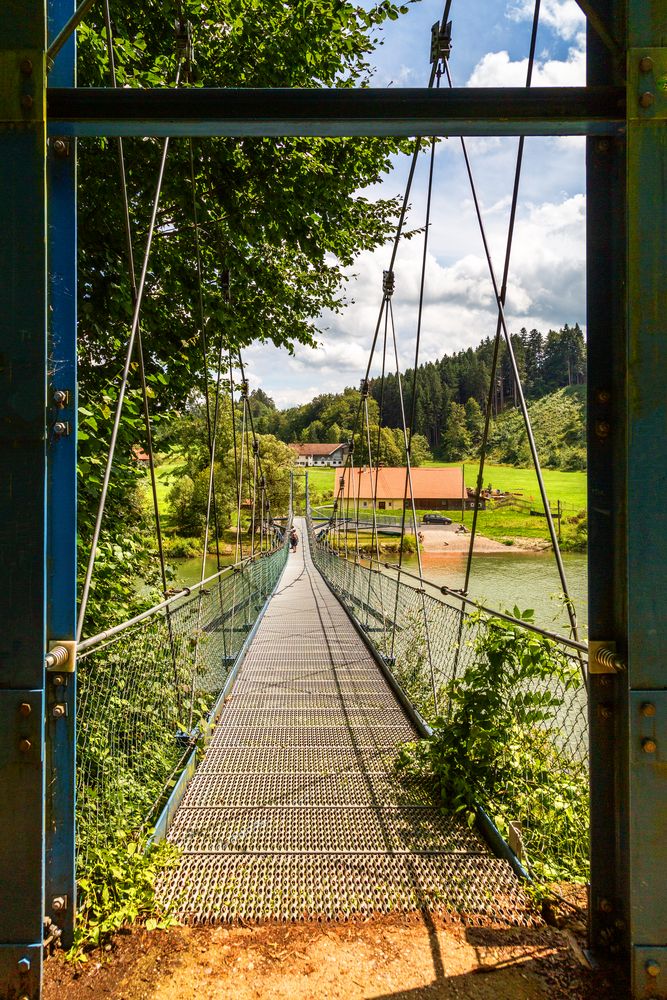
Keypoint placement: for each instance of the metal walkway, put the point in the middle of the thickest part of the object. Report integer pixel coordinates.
(295, 812)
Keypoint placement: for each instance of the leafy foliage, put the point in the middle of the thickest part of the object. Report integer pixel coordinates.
(502, 745)
(116, 888)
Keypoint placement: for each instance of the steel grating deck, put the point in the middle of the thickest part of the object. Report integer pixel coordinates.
(295, 812)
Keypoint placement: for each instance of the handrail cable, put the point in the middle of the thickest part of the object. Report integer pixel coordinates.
(123, 386)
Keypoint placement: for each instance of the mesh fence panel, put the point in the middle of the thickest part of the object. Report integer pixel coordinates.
(146, 696)
(436, 651)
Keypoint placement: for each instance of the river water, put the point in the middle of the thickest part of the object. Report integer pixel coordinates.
(501, 581)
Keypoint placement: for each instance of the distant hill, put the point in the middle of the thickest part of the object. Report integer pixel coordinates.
(452, 396)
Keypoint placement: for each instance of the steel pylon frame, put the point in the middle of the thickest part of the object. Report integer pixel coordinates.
(623, 110)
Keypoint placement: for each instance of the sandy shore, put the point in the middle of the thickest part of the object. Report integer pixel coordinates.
(445, 538)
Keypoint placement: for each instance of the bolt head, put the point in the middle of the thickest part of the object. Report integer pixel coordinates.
(59, 396)
(24, 965)
(58, 903)
(60, 150)
(27, 102)
(26, 67)
(648, 709)
(58, 680)
(603, 396)
(653, 968)
(646, 99)
(649, 745)
(25, 708)
(24, 745)
(645, 64)
(602, 428)
(58, 711)
(605, 906)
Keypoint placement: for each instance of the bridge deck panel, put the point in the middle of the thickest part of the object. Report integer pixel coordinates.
(296, 811)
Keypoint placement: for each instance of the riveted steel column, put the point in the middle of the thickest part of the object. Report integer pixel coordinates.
(647, 482)
(607, 583)
(23, 368)
(61, 454)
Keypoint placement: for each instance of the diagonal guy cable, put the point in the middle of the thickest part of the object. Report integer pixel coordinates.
(133, 284)
(517, 379)
(123, 388)
(399, 232)
(503, 294)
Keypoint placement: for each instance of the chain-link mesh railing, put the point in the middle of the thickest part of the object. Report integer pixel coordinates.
(512, 707)
(147, 691)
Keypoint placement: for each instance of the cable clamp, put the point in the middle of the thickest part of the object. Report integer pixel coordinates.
(388, 283)
(184, 48)
(363, 388)
(441, 42)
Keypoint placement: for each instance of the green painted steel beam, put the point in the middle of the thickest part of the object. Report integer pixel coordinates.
(646, 482)
(369, 112)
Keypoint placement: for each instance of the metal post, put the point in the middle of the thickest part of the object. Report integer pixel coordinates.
(627, 350)
(60, 897)
(646, 684)
(23, 374)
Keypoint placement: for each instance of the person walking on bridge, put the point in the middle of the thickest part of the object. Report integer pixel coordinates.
(293, 539)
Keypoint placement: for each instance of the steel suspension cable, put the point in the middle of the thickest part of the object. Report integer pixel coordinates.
(133, 286)
(400, 224)
(414, 521)
(517, 380)
(503, 296)
(204, 343)
(123, 387)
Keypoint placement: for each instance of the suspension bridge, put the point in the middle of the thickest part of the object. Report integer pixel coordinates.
(301, 676)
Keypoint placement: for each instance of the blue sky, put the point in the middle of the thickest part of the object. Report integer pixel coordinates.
(547, 286)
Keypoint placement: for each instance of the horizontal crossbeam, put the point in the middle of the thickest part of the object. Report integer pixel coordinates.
(287, 112)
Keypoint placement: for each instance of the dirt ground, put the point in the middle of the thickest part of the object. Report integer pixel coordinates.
(390, 958)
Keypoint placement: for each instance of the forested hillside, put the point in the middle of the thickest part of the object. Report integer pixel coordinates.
(452, 396)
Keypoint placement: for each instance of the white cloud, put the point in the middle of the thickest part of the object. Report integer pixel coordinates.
(496, 69)
(564, 17)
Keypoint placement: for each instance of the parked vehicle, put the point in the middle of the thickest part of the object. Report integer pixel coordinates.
(436, 519)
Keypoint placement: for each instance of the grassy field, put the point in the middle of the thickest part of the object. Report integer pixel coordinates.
(568, 487)
(503, 524)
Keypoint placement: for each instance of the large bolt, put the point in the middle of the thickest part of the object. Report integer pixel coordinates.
(603, 396)
(25, 708)
(60, 428)
(58, 711)
(645, 64)
(58, 680)
(649, 745)
(653, 968)
(648, 709)
(602, 428)
(58, 903)
(24, 965)
(605, 906)
(646, 99)
(27, 102)
(26, 67)
(59, 396)
(24, 745)
(60, 148)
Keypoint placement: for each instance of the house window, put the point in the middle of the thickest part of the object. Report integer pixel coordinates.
(382, 505)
